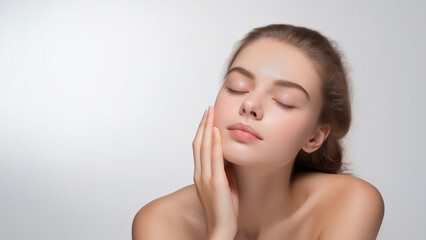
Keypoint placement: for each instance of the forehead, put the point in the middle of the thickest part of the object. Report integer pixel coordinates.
(270, 59)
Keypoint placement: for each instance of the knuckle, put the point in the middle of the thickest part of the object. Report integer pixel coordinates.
(205, 179)
(196, 179)
(204, 147)
(217, 182)
(195, 143)
(214, 154)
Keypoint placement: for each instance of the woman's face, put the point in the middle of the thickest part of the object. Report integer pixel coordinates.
(274, 88)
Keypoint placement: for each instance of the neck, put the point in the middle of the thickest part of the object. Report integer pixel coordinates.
(264, 197)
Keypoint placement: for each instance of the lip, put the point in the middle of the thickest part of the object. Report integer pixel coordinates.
(245, 128)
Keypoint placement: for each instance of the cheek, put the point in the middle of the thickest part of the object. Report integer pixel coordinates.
(223, 107)
(290, 133)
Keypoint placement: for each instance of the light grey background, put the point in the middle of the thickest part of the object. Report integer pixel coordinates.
(100, 100)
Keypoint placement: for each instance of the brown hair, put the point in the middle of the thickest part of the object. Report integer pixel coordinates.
(336, 108)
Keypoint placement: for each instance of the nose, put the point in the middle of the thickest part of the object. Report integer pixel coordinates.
(251, 107)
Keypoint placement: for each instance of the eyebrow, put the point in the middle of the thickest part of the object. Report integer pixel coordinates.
(278, 82)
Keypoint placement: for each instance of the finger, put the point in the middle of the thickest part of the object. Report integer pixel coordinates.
(218, 169)
(196, 144)
(206, 145)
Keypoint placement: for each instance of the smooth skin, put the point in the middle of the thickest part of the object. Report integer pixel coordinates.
(244, 190)
(214, 189)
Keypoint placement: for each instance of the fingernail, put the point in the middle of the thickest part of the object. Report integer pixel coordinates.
(215, 131)
(205, 113)
(209, 111)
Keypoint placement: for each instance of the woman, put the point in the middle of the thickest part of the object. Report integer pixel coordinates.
(268, 157)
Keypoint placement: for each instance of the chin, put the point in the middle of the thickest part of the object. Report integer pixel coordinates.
(239, 161)
(239, 155)
(242, 157)
(236, 153)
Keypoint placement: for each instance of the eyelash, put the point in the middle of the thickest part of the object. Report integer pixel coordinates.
(233, 92)
(284, 106)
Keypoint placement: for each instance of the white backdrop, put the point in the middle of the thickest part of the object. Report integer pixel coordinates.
(100, 101)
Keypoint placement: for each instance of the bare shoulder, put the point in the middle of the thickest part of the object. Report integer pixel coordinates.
(353, 208)
(173, 216)
(335, 182)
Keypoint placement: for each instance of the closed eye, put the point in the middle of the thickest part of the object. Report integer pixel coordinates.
(231, 91)
(285, 106)
(288, 107)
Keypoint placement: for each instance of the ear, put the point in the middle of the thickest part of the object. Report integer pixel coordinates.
(319, 136)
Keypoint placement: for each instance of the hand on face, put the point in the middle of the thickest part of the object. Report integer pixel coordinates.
(215, 183)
